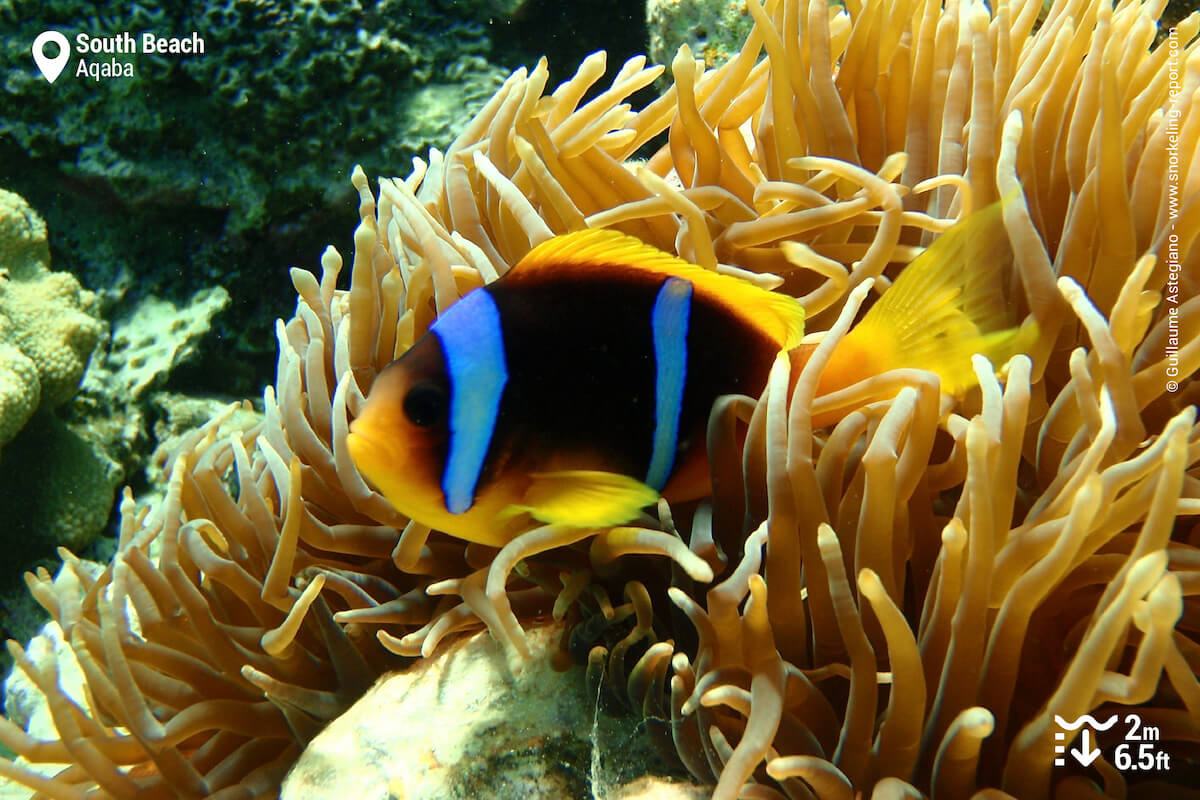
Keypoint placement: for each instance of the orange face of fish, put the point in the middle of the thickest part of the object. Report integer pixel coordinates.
(400, 440)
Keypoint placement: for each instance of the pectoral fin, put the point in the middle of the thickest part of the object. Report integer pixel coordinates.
(584, 498)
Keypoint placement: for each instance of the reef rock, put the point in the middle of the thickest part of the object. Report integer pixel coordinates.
(282, 99)
(48, 322)
(713, 29)
(462, 725)
(59, 484)
(152, 340)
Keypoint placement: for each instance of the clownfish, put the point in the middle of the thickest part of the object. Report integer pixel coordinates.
(577, 388)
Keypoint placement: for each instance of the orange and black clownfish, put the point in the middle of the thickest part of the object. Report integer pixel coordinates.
(577, 388)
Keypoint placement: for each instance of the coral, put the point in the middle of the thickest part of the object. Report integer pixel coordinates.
(714, 31)
(251, 98)
(48, 323)
(118, 408)
(151, 341)
(24, 250)
(178, 415)
(902, 604)
(20, 386)
(284, 99)
(66, 500)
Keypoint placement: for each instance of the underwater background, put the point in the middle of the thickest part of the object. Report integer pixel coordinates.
(149, 222)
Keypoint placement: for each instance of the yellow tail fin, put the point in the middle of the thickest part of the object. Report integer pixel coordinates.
(945, 306)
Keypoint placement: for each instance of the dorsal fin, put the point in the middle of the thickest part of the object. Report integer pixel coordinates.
(778, 316)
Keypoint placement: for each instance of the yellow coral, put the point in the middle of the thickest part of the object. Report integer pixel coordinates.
(49, 321)
(20, 389)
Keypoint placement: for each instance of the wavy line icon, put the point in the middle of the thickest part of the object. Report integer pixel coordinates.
(1086, 719)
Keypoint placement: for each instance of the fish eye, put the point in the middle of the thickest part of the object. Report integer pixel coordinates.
(425, 404)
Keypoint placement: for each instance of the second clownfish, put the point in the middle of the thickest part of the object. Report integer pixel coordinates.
(577, 388)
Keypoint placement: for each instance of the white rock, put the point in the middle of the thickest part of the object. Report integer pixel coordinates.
(152, 340)
(460, 725)
(24, 703)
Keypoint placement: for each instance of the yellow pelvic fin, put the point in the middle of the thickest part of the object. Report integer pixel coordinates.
(777, 315)
(945, 306)
(584, 498)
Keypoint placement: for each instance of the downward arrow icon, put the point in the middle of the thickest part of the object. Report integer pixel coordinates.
(1085, 754)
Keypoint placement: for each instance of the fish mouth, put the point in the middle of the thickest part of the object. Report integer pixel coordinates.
(391, 469)
(370, 454)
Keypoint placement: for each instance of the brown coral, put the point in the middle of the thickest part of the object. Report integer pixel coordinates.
(921, 588)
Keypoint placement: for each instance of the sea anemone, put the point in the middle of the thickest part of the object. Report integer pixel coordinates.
(903, 603)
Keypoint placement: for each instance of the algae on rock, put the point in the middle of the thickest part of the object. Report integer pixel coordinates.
(66, 483)
(152, 340)
(714, 30)
(226, 161)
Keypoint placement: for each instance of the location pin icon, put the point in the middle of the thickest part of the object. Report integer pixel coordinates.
(51, 66)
